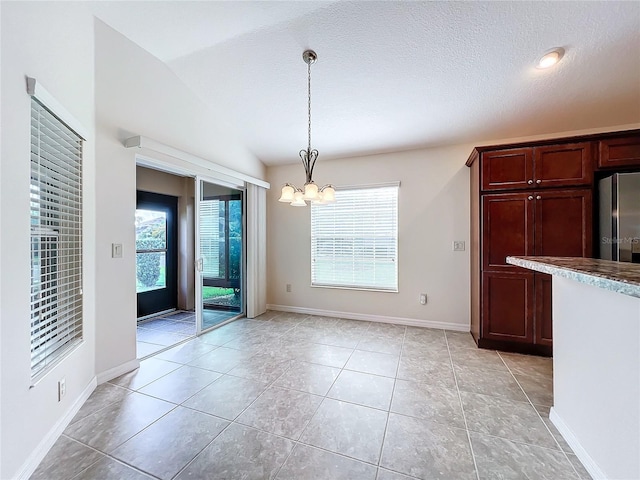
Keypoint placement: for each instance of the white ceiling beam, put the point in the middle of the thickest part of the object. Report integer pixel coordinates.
(153, 145)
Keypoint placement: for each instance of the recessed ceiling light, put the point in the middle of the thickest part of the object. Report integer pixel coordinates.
(550, 58)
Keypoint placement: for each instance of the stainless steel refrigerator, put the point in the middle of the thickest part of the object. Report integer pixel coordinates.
(620, 217)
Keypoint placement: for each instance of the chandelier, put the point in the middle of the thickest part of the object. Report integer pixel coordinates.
(291, 194)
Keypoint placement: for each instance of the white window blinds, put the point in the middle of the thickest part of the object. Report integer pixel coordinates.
(354, 241)
(56, 238)
(210, 237)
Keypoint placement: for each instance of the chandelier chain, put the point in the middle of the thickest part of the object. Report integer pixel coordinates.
(309, 103)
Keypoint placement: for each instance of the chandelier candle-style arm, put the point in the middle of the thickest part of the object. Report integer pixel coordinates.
(290, 193)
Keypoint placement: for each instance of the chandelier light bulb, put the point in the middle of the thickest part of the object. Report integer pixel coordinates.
(310, 191)
(328, 194)
(320, 199)
(299, 200)
(287, 194)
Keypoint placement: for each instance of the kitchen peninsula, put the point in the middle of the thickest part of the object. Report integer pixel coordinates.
(596, 360)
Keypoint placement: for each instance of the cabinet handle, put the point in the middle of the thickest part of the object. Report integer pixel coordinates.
(538, 181)
(538, 197)
(530, 197)
(530, 182)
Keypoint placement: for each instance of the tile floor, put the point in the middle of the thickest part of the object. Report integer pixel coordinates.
(212, 317)
(158, 333)
(290, 396)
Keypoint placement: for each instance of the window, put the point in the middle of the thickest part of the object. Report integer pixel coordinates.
(151, 250)
(354, 242)
(56, 237)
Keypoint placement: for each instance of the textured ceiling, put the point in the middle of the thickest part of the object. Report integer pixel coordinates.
(395, 75)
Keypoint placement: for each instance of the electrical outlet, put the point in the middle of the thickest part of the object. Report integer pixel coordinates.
(62, 388)
(423, 298)
(458, 246)
(288, 288)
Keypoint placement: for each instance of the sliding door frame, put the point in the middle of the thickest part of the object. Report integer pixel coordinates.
(198, 259)
(254, 210)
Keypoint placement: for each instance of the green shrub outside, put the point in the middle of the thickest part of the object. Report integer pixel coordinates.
(148, 264)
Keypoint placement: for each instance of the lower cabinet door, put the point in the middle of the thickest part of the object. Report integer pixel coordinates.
(508, 306)
(543, 325)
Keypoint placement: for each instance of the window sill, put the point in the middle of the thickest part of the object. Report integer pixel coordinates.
(38, 377)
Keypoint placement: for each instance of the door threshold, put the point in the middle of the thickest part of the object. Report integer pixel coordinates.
(224, 322)
(157, 314)
(168, 347)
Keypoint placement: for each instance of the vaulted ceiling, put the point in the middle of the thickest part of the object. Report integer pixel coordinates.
(394, 75)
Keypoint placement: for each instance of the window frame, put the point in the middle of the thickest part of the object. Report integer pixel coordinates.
(42, 100)
(349, 188)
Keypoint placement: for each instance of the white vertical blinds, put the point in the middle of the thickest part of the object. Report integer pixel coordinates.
(56, 238)
(210, 237)
(354, 242)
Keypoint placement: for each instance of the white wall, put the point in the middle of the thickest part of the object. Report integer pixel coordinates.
(52, 42)
(433, 212)
(64, 48)
(596, 376)
(136, 94)
(150, 180)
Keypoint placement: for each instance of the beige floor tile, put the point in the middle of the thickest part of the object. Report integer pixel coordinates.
(373, 362)
(308, 397)
(363, 388)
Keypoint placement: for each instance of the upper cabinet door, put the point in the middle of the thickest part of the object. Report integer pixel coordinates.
(563, 165)
(620, 152)
(507, 169)
(507, 229)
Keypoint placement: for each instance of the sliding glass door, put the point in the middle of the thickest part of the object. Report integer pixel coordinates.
(220, 253)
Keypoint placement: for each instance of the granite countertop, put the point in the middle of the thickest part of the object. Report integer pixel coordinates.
(621, 277)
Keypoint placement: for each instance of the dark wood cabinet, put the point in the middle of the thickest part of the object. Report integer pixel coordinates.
(508, 307)
(507, 228)
(619, 152)
(546, 166)
(563, 223)
(507, 169)
(563, 165)
(553, 222)
(532, 199)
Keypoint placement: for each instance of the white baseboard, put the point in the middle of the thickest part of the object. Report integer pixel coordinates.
(575, 445)
(371, 318)
(117, 371)
(52, 436)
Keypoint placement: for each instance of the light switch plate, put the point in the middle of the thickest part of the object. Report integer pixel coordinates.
(458, 246)
(116, 250)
